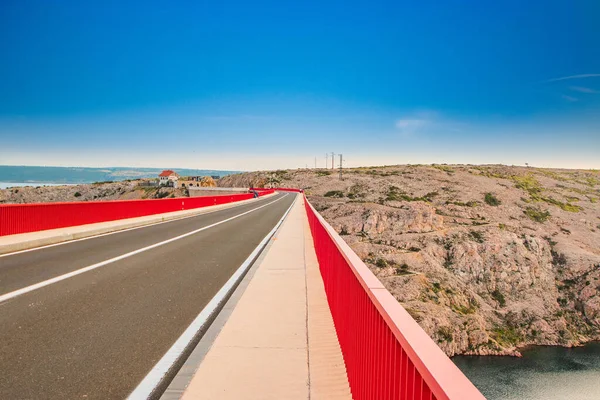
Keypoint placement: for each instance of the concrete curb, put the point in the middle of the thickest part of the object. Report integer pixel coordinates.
(31, 240)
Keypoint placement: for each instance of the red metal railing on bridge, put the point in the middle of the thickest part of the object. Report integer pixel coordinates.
(387, 354)
(263, 190)
(22, 218)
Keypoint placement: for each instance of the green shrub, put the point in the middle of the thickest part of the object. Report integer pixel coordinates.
(381, 263)
(323, 173)
(357, 191)
(499, 297)
(537, 215)
(507, 336)
(565, 206)
(335, 194)
(395, 194)
(559, 260)
(77, 194)
(529, 184)
(492, 200)
(402, 269)
(471, 203)
(445, 334)
(477, 236)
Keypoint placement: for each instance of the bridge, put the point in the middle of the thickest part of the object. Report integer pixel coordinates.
(216, 297)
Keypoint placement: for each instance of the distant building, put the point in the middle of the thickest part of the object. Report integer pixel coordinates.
(168, 178)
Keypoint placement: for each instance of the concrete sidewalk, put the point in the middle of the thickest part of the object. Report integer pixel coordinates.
(279, 342)
(24, 241)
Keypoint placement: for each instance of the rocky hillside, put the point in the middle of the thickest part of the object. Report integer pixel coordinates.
(124, 190)
(486, 258)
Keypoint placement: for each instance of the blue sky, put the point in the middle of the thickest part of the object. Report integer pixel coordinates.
(265, 84)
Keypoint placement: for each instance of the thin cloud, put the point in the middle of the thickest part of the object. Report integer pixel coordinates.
(582, 89)
(410, 126)
(570, 99)
(573, 77)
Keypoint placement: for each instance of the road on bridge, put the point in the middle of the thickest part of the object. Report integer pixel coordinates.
(97, 334)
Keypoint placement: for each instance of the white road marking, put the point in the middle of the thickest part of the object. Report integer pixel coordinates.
(124, 230)
(149, 384)
(71, 274)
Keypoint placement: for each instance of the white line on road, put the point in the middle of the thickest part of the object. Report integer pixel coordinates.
(149, 384)
(71, 274)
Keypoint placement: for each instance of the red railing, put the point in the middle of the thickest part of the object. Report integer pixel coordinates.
(262, 191)
(22, 218)
(387, 354)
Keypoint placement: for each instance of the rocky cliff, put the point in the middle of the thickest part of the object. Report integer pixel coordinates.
(486, 258)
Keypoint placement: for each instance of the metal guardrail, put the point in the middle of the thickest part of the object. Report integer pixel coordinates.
(23, 218)
(387, 354)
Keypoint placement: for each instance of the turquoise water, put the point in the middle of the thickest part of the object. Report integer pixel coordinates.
(543, 373)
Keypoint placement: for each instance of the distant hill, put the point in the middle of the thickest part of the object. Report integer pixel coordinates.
(24, 174)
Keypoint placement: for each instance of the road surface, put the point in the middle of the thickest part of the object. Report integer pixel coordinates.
(97, 334)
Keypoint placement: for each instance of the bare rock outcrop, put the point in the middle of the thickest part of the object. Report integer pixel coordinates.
(486, 258)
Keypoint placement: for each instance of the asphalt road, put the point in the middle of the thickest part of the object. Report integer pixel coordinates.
(96, 335)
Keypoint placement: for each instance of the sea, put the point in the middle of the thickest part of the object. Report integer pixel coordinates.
(543, 373)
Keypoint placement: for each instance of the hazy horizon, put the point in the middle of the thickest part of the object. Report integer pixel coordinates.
(175, 168)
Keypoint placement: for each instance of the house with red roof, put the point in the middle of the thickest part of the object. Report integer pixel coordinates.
(168, 178)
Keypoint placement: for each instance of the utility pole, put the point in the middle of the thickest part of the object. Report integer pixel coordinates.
(341, 166)
(332, 161)
(326, 160)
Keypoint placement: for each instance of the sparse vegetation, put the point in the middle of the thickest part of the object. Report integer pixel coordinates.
(499, 297)
(559, 260)
(381, 263)
(395, 194)
(471, 203)
(536, 214)
(529, 184)
(357, 191)
(507, 336)
(77, 194)
(491, 200)
(402, 269)
(445, 334)
(338, 194)
(477, 236)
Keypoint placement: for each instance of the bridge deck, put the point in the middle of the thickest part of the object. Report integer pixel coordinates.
(279, 341)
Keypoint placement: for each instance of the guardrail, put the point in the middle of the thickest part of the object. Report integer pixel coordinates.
(387, 354)
(23, 218)
(278, 189)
